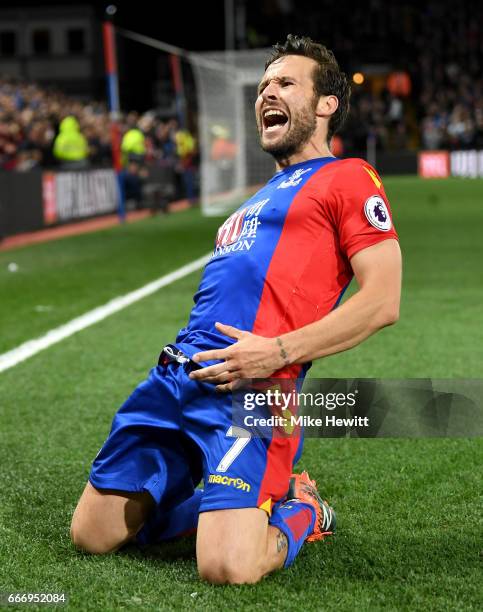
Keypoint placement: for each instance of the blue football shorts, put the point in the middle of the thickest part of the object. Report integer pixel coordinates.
(173, 432)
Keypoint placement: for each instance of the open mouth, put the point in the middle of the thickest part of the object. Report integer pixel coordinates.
(273, 119)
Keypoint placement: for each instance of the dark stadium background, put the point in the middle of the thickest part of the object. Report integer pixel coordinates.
(200, 26)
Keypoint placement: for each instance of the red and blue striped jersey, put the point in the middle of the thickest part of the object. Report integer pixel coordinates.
(282, 260)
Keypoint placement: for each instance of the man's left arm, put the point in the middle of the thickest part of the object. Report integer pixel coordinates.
(378, 273)
(375, 305)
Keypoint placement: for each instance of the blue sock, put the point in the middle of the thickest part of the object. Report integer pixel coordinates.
(296, 520)
(180, 520)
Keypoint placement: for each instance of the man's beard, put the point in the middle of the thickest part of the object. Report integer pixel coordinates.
(303, 126)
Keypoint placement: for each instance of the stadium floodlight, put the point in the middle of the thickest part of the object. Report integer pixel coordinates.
(232, 162)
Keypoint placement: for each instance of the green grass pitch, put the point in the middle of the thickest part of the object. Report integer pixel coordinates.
(409, 530)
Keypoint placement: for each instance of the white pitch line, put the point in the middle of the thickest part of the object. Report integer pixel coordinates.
(32, 347)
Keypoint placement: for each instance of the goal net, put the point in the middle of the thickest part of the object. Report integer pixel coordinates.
(233, 166)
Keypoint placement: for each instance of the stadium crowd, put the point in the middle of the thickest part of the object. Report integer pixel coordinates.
(450, 80)
(30, 118)
(432, 99)
(440, 51)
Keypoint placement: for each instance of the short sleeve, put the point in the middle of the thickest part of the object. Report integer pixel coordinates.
(359, 207)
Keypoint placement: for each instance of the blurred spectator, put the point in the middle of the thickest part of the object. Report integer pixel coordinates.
(8, 144)
(186, 148)
(223, 153)
(133, 147)
(223, 148)
(461, 128)
(165, 140)
(70, 145)
(395, 110)
(399, 84)
(432, 133)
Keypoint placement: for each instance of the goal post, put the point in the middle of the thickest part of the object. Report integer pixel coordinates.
(232, 165)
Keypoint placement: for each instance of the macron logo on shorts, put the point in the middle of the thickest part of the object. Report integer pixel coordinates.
(238, 483)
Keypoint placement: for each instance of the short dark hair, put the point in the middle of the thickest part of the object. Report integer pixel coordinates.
(327, 76)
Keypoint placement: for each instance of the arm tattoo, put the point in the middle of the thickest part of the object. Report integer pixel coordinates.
(282, 542)
(283, 352)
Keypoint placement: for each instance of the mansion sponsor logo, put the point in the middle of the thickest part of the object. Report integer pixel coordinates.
(239, 231)
(238, 483)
